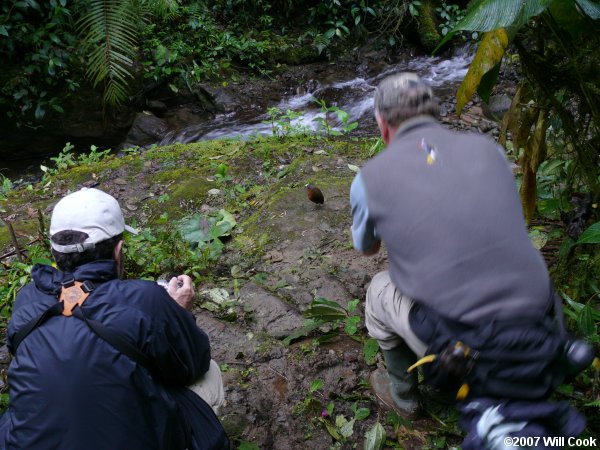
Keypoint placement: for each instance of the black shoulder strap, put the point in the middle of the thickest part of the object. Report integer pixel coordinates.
(54, 310)
(110, 336)
(115, 339)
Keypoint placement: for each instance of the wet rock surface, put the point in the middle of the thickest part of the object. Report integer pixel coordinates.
(269, 385)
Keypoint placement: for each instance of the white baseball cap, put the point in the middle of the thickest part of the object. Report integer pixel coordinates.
(90, 211)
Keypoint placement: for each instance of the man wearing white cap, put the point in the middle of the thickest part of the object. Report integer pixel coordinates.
(100, 362)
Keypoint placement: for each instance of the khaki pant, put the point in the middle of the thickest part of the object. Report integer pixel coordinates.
(386, 315)
(210, 387)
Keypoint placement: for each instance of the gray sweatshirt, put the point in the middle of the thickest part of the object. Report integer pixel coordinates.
(446, 206)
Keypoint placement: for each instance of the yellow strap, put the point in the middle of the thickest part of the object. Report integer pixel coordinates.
(463, 391)
(424, 360)
(596, 364)
(464, 348)
(72, 296)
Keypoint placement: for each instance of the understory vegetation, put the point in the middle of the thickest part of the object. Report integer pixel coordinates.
(55, 49)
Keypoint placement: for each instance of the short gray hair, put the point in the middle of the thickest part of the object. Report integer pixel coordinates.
(404, 95)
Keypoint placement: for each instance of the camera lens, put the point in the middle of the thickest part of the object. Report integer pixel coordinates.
(579, 354)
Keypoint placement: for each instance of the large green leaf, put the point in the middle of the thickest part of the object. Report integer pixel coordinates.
(324, 313)
(324, 301)
(370, 350)
(488, 56)
(590, 8)
(201, 229)
(308, 327)
(375, 438)
(591, 235)
(585, 321)
(487, 83)
(488, 15)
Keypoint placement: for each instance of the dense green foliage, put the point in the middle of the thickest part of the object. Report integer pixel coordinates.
(38, 47)
(58, 48)
(554, 116)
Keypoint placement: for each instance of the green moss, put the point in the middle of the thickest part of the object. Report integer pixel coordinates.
(429, 35)
(79, 174)
(271, 223)
(4, 235)
(257, 190)
(192, 189)
(187, 185)
(25, 230)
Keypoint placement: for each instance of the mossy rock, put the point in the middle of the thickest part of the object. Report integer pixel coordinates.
(290, 52)
(427, 27)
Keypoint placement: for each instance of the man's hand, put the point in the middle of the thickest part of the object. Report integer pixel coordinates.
(182, 291)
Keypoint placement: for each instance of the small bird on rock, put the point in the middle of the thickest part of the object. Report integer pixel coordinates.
(314, 194)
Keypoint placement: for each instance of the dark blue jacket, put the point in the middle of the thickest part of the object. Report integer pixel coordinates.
(518, 366)
(70, 389)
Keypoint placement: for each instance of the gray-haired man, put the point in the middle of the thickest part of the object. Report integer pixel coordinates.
(446, 206)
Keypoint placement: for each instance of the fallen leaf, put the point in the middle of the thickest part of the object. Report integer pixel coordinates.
(216, 295)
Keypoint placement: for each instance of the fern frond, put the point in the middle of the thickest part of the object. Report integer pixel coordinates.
(109, 33)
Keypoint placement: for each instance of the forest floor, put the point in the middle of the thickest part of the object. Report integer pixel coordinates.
(310, 392)
(287, 386)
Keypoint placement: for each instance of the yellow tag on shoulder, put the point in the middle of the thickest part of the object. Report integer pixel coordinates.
(72, 296)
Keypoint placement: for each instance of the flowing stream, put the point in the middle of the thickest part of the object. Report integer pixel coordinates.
(354, 96)
(340, 87)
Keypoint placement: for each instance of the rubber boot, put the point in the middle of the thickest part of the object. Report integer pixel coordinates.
(402, 386)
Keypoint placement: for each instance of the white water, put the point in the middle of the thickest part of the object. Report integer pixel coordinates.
(355, 96)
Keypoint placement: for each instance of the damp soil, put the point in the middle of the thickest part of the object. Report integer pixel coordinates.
(283, 253)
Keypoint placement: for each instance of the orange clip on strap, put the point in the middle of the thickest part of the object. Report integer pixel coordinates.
(71, 297)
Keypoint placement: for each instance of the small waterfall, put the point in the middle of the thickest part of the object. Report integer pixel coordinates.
(355, 96)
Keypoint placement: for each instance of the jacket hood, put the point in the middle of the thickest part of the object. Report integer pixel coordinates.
(48, 279)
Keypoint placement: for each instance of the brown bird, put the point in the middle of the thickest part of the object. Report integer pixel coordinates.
(314, 194)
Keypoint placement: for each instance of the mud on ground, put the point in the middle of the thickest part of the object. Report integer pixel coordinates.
(305, 252)
(309, 255)
(284, 252)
